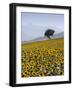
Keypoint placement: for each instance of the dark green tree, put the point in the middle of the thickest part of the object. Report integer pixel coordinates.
(49, 33)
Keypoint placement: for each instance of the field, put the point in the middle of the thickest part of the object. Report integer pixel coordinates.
(42, 58)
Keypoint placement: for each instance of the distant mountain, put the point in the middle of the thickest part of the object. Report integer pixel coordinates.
(36, 39)
(33, 31)
(40, 38)
(59, 35)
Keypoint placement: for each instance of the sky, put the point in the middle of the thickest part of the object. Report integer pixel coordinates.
(34, 25)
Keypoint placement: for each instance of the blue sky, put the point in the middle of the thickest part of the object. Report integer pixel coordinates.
(34, 25)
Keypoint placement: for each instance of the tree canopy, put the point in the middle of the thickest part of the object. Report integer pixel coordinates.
(49, 33)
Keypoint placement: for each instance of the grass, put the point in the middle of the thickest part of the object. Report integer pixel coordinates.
(42, 58)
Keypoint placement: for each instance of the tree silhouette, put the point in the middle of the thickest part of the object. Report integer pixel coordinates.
(49, 33)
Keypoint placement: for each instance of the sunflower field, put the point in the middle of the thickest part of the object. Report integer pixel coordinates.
(42, 58)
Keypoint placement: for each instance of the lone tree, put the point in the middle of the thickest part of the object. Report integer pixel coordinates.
(49, 33)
